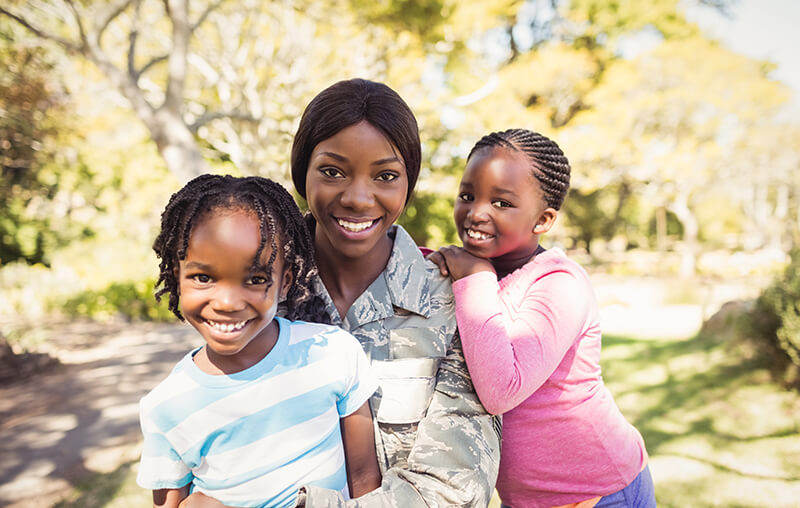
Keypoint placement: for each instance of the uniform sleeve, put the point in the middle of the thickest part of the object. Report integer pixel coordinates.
(360, 381)
(453, 460)
(511, 357)
(160, 466)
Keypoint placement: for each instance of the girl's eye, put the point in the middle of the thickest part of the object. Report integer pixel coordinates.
(499, 203)
(330, 172)
(257, 280)
(387, 177)
(201, 278)
(465, 196)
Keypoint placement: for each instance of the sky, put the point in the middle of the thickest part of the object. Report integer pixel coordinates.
(763, 29)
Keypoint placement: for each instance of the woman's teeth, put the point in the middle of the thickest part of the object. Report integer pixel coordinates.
(354, 227)
(227, 327)
(477, 235)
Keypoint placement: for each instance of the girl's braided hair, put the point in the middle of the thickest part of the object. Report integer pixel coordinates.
(281, 224)
(550, 165)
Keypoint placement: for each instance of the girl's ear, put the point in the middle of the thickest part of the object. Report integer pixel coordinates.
(546, 221)
(286, 282)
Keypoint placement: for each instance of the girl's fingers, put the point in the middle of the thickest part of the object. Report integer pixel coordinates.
(439, 260)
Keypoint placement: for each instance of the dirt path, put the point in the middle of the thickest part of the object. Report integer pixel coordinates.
(81, 417)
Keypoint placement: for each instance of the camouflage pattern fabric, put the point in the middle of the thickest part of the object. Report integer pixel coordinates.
(436, 444)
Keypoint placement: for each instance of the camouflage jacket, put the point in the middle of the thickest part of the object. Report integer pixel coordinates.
(436, 444)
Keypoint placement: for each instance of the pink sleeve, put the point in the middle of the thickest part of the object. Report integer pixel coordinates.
(510, 357)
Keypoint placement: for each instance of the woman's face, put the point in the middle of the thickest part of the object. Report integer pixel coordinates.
(356, 187)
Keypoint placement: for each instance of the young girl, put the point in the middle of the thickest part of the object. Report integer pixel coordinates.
(265, 405)
(530, 328)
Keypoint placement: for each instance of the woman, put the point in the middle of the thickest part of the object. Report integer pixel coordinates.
(355, 159)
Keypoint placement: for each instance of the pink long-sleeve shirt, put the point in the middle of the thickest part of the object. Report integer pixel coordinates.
(532, 345)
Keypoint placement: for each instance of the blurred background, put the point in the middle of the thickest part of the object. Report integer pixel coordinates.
(680, 119)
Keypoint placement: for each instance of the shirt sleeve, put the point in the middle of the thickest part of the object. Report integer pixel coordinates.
(454, 458)
(360, 381)
(511, 356)
(160, 466)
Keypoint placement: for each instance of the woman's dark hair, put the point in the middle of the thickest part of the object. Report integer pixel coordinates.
(281, 224)
(347, 103)
(550, 165)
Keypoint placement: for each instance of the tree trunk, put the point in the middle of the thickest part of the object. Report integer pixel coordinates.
(680, 207)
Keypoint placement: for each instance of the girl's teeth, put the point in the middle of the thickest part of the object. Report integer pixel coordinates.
(355, 227)
(477, 235)
(228, 327)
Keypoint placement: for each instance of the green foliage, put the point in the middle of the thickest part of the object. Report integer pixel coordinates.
(28, 104)
(429, 220)
(776, 319)
(131, 300)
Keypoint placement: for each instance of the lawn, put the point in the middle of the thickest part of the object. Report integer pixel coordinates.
(718, 431)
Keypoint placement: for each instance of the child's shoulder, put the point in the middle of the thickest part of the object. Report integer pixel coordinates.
(320, 333)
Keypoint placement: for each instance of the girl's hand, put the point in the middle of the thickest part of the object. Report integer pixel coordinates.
(458, 263)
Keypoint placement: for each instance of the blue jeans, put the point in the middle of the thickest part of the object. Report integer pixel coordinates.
(640, 493)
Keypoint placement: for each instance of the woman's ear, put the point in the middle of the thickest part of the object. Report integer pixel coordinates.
(546, 221)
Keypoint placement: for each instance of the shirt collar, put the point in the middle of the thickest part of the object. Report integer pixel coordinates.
(404, 284)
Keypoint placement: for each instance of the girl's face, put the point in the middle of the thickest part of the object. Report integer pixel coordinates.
(356, 187)
(499, 205)
(223, 297)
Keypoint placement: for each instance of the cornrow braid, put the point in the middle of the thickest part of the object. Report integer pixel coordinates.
(550, 165)
(279, 219)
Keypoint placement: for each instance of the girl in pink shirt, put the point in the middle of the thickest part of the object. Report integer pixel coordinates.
(529, 325)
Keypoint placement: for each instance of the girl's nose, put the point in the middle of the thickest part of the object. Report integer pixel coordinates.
(357, 196)
(227, 299)
(477, 214)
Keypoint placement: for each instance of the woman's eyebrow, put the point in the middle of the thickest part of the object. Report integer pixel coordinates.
(332, 155)
(387, 160)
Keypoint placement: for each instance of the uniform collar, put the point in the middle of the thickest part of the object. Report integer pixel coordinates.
(403, 285)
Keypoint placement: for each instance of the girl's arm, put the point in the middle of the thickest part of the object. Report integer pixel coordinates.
(510, 355)
(363, 473)
(170, 498)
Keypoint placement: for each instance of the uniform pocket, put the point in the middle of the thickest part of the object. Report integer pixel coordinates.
(406, 388)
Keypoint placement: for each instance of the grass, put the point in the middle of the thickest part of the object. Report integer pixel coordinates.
(718, 431)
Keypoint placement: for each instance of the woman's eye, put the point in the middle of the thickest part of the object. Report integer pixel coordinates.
(499, 203)
(257, 280)
(465, 196)
(201, 278)
(387, 177)
(330, 172)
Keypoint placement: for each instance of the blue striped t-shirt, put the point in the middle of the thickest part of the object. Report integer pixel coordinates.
(254, 437)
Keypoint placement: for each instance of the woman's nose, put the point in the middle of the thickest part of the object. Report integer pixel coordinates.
(357, 196)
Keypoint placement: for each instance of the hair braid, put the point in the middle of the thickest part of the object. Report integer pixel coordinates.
(550, 165)
(279, 219)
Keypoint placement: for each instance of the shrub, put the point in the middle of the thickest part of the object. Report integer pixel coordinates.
(130, 300)
(776, 319)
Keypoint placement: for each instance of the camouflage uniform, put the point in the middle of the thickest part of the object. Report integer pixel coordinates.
(436, 444)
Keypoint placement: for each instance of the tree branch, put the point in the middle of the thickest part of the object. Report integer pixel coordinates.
(79, 22)
(113, 13)
(205, 15)
(176, 65)
(208, 116)
(152, 62)
(65, 43)
(132, 36)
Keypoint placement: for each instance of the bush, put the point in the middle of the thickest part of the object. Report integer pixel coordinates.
(776, 319)
(130, 300)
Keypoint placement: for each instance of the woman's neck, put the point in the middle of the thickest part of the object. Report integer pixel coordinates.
(347, 278)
